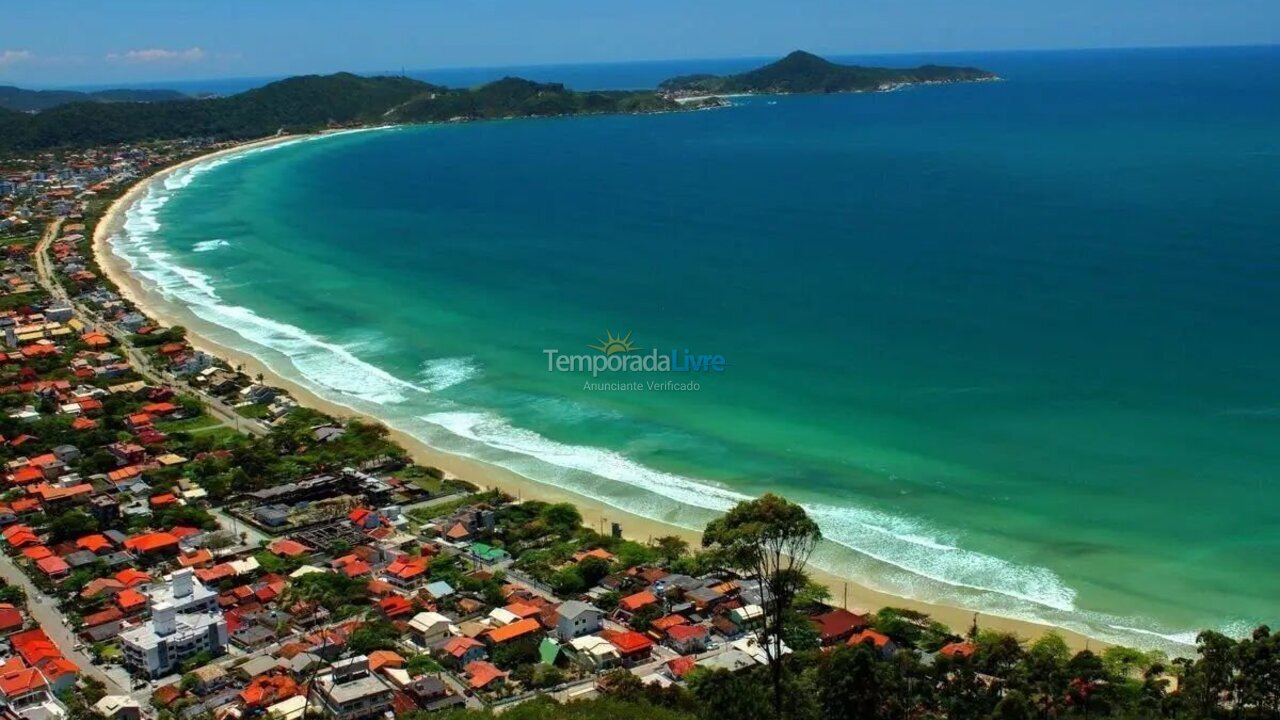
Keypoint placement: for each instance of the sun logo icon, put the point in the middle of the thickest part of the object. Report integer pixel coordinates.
(612, 344)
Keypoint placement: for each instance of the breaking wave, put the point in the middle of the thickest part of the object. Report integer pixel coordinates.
(906, 556)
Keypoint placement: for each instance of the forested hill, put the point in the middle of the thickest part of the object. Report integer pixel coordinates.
(307, 103)
(802, 72)
(300, 103)
(15, 98)
(515, 97)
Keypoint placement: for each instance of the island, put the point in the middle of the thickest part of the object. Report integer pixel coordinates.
(317, 102)
(802, 72)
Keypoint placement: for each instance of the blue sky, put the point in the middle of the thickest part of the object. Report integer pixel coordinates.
(69, 42)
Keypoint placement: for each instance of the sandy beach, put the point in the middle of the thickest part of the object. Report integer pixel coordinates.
(594, 512)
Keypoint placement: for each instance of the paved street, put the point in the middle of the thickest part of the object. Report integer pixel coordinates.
(44, 611)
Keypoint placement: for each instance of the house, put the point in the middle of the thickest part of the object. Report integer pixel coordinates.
(268, 689)
(406, 571)
(439, 589)
(688, 639)
(351, 691)
(632, 603)
(880, 641)
(747, 617)
(54, 567)
(598, 553)
(394, 606)
(118, 707)
(514, 631)
(430, 693)
(429, 627)
(575, 619)
(838, 625)
(958, 650)
(632, 646)
(156, 543)
(130, 601)
(594, 652)
(11, 619)
(284, 547)
(482, 675)
(460, 651)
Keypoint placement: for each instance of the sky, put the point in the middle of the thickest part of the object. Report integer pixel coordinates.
(50, 43)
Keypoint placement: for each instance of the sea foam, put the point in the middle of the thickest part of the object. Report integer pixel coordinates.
(335, 371)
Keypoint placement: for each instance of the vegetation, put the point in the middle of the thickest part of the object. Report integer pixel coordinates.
(802, 72)
(514, 97)
(15, 98)
(772, 539)
(302, 104)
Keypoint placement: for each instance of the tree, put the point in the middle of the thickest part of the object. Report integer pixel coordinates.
(380, 635)
(671, 547)
(72, 524)
(772, 539)
(643, 618)
(849, 684)
(723, 694)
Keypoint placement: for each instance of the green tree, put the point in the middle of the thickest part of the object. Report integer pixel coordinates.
(850, 685)
(772, 539)
(671, 547)
(722, 694)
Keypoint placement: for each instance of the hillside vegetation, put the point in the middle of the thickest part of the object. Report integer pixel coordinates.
(15, 98)
(802, 72)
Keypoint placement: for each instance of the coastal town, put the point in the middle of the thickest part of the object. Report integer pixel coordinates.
(181, 540)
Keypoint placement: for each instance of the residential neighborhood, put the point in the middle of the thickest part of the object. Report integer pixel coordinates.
(205, 545)
(181, 540)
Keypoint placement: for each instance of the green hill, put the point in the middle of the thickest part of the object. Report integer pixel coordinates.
(802, 72)
(15, 98)
(306, 103)
(514, 97)
(296, 104)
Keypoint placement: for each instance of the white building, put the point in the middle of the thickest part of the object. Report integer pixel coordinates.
(184, 593)
(184, 622)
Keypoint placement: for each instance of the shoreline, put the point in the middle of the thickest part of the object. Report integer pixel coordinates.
(594, 512)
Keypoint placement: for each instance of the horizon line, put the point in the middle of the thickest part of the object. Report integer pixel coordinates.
(715, 58)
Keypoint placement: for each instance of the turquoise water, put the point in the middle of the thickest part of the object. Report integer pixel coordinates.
(1013, 344)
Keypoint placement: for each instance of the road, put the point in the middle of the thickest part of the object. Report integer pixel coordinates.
(252, 536)
(218, 408)
(44, 610)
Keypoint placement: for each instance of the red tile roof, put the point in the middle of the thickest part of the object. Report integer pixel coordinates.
(958, 649)
(53, 565)
(631, 603)
(682, 633)
(132, 576)
(130, 600)
(871, 636)
(285, 547)
(458, 646)
(629, 642)
(480, 674)
(10, 617)
(152, 542)
(93, 543)
(517, 629)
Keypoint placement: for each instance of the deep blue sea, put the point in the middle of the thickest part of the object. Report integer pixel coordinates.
(1013, 344)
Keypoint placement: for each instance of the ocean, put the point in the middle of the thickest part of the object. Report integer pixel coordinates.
(1012, 344)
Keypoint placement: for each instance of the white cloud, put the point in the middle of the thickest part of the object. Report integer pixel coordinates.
(15, 56)
(159, 55)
